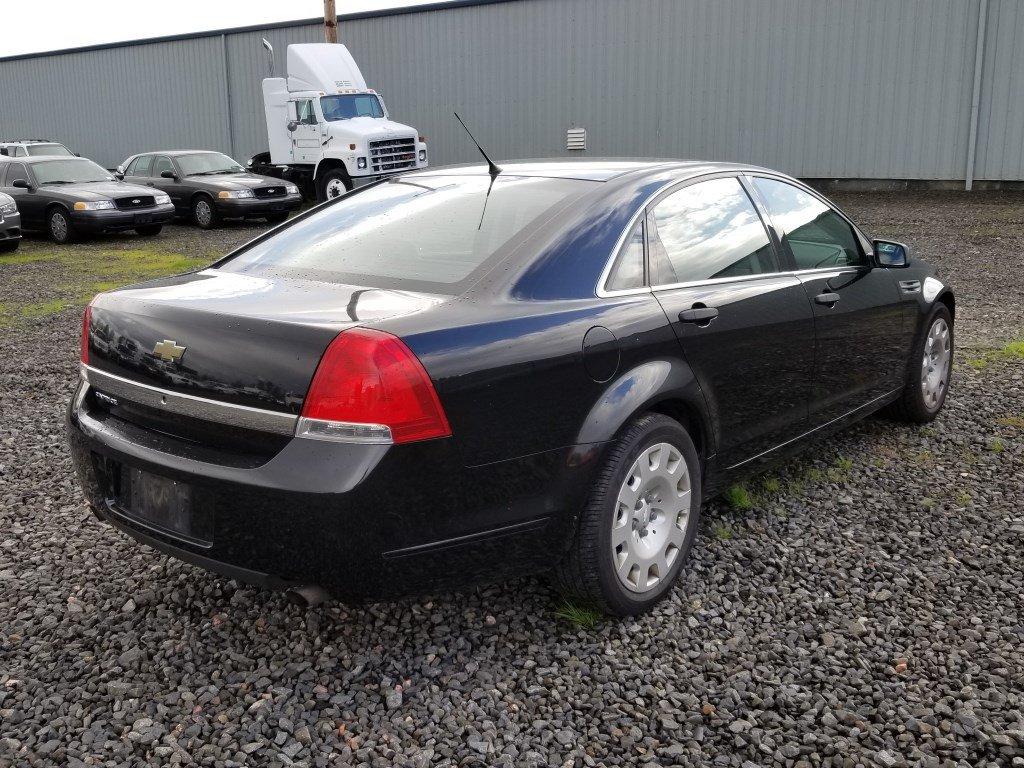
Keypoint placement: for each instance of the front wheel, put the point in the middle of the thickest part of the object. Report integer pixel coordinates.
(204, 213)
(150, 230)
(59, 226)
(331, 184)
(640, 522)
(928, 371)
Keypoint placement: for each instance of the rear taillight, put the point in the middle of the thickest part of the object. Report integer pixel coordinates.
(369, 387)
(86, 320)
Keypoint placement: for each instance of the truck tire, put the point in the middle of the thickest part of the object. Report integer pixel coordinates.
(204, 213)
(331, 184)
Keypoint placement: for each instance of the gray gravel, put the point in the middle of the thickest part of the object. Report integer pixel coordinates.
(866, 611)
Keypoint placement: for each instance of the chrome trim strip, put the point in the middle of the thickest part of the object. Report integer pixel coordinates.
(194, 407)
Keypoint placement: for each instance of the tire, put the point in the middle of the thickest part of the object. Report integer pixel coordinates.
(330, 184)
(277, 218)
(150, 230)
(927, 383)
(588, 572)
(59, 226)
(204, 213)
(9, 246)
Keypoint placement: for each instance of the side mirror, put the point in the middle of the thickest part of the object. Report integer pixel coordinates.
(21, 184)
(3, 150)
(292, 125)
(168, 175)
(118, 175)
(78, 154)
(891, 253)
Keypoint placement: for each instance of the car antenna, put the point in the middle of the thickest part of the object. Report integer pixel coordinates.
(493, 169)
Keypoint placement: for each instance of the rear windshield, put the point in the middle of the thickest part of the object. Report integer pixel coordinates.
(421, 233)
(48, 149)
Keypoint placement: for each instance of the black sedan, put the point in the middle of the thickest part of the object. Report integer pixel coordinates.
(66, 196)
(10, 224)
(209, 186)
(452, 377)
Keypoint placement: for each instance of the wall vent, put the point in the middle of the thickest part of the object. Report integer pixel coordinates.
(576, 138)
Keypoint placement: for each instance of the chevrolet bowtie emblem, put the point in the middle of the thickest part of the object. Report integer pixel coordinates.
(168, 350)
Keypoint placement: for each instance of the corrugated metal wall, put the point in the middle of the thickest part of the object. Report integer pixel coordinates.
(818, 88)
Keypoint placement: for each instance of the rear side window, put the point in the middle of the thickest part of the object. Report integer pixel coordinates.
(628, 270)
(705, 231)
(815, 235)
(420, 232)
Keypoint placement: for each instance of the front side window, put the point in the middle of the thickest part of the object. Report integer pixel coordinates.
(15, 171)
(71, 171)
(628, 271)
(349, 105)
(420, 233)
(49, 149)
(815, 235)
(304, 110)
(705, 231)
(207, 164)
(161, 163)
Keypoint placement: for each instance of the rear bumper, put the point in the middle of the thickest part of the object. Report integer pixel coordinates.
(254, 206)
(116, 220)
(365, 521)
(10, 227)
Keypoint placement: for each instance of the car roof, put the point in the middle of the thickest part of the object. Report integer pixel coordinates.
(33, 159)
(178, 152)
(604, 169)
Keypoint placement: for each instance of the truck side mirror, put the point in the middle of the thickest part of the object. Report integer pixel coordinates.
(292, 125)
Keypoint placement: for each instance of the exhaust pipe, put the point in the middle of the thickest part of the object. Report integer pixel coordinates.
(270, 50)
(307, 595)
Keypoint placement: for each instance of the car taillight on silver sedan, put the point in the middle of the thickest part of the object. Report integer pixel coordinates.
(369, 387)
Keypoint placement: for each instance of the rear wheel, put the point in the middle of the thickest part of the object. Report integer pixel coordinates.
(928, 371)
(9, 245)
(331, 184)
(59, 226)
(640, 521)
(204, 213)
(150, 230)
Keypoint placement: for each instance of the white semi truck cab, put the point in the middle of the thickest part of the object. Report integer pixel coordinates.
(326, 130)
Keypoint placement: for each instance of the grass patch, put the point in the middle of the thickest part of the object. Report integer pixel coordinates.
(80, 272)
(1014, 350)
(581, 616)
(1011, 421)
(996, 445)
(739, 498)
(722, 532)
(771, 485)
(963, 498)
(844, 464)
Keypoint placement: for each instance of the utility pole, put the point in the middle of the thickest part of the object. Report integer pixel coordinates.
(330, 22)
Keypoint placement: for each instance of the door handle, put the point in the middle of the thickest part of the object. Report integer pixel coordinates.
(698, 315)
(828, 299)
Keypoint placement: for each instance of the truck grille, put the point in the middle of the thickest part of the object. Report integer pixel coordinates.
(129, 203)
(269, 191)
(389, 155)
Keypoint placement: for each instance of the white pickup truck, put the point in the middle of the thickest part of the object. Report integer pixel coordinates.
(328, 132)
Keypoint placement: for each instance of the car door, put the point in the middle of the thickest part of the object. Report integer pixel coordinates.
(137, 171)
(859, 353)
(744, 324)
(172, 186)
(306, 138)
(31, 203)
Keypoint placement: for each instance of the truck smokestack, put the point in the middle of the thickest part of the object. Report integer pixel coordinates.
(270, 54)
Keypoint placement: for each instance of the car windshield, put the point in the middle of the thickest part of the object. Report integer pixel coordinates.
(49, 149)
(207, 163)
(349, 105)
(73, 171)
(419, 233)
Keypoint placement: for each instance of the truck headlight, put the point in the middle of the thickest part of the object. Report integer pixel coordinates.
(161, 199)
(423, 155)
(291, 189)
(94, 205)
(10, 208)
(234, 194)
(361, 162)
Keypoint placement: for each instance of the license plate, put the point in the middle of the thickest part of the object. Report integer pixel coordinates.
(158, 500)
(144, 218)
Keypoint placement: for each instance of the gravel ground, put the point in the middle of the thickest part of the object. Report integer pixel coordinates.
(865, 611)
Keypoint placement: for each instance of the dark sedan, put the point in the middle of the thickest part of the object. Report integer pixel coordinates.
(208, 186)
(452, 377)
(67, 196)
(10, 224)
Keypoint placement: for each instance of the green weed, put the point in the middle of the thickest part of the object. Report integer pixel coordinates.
(739, 498)
(581, 616)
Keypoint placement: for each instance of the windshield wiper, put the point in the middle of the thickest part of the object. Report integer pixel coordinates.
(48, 183)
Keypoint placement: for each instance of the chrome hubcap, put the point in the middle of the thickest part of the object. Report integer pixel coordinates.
(58, 226)
(935, 365)
(335, 188)
(203, 212)
(651, 515)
